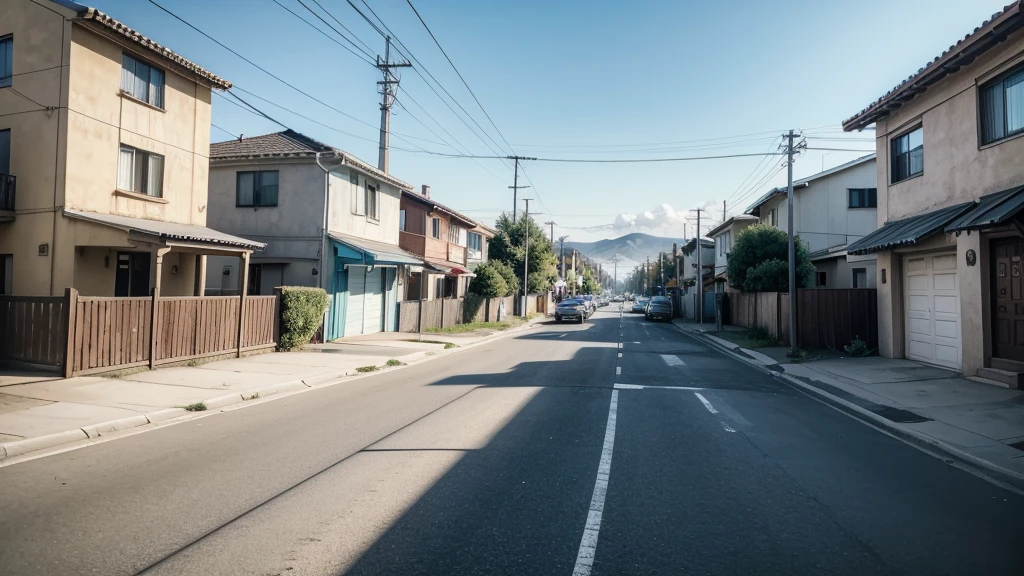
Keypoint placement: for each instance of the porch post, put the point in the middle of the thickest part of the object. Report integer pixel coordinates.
(200, 274)
(160, 267)
(243, 292)
(154, 323)
(71, 301)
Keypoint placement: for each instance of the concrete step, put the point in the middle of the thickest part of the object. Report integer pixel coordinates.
(987, 381)
(1013, 380)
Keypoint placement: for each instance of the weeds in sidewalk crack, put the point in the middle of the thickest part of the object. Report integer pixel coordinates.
(394, 362)
(197, 407)
(367, 369)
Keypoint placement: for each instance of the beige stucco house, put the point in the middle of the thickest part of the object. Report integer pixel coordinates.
(950, 194)
(104, 137)
(831, 209)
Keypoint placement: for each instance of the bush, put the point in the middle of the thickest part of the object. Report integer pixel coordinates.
(759, 333)
(489, 282)
(508, 274)
(759, 261)
(858, 348)
(302, 310)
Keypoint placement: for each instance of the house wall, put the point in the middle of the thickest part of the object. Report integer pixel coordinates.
(722, 258)
(690, 259)
(343, 220)
(415, 216)
(822, 216)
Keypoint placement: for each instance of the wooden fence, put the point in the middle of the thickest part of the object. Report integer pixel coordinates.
(33, 330)
(826, 318)
(449, 312)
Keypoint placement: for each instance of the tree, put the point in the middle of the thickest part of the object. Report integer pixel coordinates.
(508, 247)
(508, 275)
(488, 282)
(759, 261)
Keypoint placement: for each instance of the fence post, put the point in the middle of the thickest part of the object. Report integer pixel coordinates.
(154, 318)
(71, 301)
(277, 315)
(243, 292)
(442, 311)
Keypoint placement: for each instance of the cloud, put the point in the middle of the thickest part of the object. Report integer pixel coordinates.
(660, 219)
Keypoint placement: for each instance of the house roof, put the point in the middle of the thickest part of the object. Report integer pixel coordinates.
(908, 231)
(728, 224)
(374, 252)
(991, 32)
(106, 25)
(292, 144)
(692, 243)
(440, 208)
(991, 210)
(805, 182)
(166, 230)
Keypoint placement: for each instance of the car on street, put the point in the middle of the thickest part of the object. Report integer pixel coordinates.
(571, 310)
(617, 298)
(639, 306)
(590, 302)
(660, 308)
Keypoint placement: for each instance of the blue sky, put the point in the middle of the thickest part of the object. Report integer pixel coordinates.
(575, 79)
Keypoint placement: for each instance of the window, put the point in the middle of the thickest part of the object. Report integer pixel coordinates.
(5, 151)
(256, 189)
(372, 204)
(140, 171)
(142, 81)
(453, 234)
(358, 200)
(439, 287)
(723, 244)
(820, 279)
(401, 220)
(907, 155)
(860, 277)
(435, 228)
(1002, 106)
(475, 241)
(6, 273)
(772, 217)
(863, 197)
(6, 61)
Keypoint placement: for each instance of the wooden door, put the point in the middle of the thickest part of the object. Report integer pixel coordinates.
(1008, 311)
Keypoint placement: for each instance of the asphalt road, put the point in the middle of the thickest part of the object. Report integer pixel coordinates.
(616, 447)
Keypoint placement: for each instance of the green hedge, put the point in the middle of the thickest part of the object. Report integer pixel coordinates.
(302, 310)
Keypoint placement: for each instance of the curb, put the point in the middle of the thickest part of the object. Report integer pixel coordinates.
(9, 450)
(929, 444)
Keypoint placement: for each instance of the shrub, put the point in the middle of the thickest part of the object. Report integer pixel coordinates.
(197, 407)
(759, 261)
(508, 274)
(302, 310)
(394, 362)
(758, 333)
(488, 282)
(858, 348)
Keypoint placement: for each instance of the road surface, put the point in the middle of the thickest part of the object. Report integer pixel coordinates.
(519, 456)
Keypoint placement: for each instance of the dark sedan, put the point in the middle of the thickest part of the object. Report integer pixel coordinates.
(660, 308)
(571, 309)
(639, 305)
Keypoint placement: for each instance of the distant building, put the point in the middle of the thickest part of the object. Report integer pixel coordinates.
(724, 236)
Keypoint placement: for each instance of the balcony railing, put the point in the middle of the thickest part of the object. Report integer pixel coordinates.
(7, 183)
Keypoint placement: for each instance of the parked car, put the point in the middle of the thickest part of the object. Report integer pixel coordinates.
(590, 302)
(660, 308)
(639, 306)
(602, 301)
(617, 299)
(571, 309)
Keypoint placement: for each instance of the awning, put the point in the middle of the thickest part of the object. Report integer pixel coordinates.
(372, 252)
(991, 210)
(828, 253)
(450, 269)
(908, 231)
(167, 230)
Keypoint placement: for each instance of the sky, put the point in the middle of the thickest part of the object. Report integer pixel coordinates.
(571, 79)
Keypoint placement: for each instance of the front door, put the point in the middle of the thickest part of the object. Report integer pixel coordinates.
(1008, 312)
(132, 275)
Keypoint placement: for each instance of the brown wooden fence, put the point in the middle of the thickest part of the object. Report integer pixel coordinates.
(33, 329)
(826, 318)
(449, 312)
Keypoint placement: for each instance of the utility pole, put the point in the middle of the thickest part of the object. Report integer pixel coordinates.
(515, 184)
(792, 244)
(561, 253)
(526, 255)
(700, 275)
(661, 268)
(552, 224)
(388, 91)
(647, 274)
(723, 212)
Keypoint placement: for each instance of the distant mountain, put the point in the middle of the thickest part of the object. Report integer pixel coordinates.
(630, 249)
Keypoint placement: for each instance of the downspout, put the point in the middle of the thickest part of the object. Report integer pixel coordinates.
(327, 209)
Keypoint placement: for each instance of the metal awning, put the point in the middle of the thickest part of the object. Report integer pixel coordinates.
(450, 269)
(372, 252)
(991, 210)
(908, 231)
(167, 230)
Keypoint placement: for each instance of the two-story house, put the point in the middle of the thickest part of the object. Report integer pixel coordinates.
(950, 184)
(104, 143)
(477, 240)
(328, 219)
(831, 209)
(439, 235)
(724, 235)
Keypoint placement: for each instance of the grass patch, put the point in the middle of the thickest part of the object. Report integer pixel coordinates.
(367, 369)
(751, 338)
(394, 362)
(192, 364)
(450, 345)
(197, 407)
(471, 326)
(447, 345)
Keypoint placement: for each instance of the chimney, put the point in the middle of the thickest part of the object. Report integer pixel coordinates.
(426, 191)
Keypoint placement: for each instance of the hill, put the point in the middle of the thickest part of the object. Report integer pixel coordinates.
(630, 249)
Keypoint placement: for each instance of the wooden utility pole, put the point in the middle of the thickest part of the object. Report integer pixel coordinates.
(388, 92)
(515, 184)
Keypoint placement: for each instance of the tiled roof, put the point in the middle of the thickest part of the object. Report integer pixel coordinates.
(291, 144)
(441, 208)
(805, 182)
(991, 32)
(117, 29)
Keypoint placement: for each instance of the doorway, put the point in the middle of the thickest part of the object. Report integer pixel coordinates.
(1008, 299)
(132, 275)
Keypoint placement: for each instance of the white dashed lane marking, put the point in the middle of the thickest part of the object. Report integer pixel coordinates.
(672, 360)
(588, 545)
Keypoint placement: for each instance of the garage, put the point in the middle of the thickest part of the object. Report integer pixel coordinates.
(932, 314)
(364, 309)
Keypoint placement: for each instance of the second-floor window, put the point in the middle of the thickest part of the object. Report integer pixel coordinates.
(474, 241)
(772, 217)
(435, 228)
(1002, 106)
(5, 151)
(142, 81)
(372, 202)
(907, 155)
(6, 61)
(453, 234)
(140, 171)
(256, 189)
(863, 197)
(723, 244)
(401, 220)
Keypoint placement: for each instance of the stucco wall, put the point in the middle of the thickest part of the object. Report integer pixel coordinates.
(823, 218)
(343, 220)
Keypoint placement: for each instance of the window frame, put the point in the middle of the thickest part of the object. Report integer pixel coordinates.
(435, 227)
(892, 154)
(371, 202)
(1000, 80)
(453, 234)
(401, 220)
(357, 194)
(155, 94)
(820, 279)
(479, 243)
(853, 277)
(8, 81)
(257, 189)
(147, 156)
(868, 195)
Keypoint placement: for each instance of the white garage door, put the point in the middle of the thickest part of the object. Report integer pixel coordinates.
(372, 305)
(356, 296)
(932, 309)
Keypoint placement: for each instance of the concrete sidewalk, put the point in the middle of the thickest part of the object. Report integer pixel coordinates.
(977, 423)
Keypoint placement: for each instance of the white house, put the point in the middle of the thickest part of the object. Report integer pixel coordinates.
(724, 236)
(831, 210)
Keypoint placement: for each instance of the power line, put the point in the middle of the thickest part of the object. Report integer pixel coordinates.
(233, 135)
(752, 172)
(369, 51)
(364, 58)
(842, 150)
